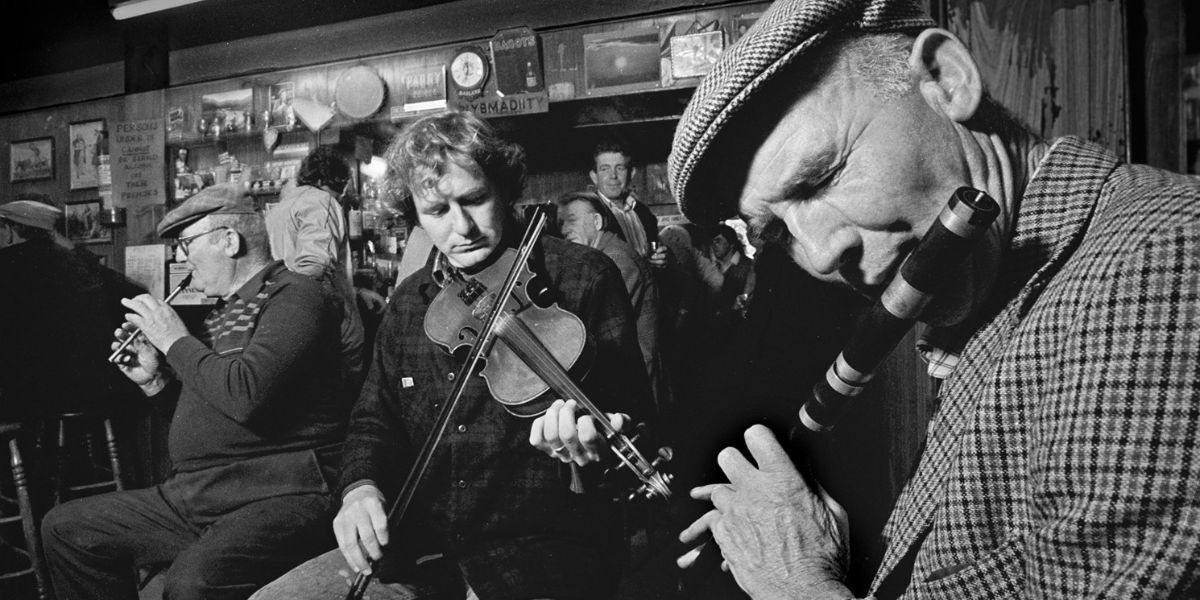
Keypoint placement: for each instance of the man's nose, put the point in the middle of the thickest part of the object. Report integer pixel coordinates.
(824, 247)
(462, 222)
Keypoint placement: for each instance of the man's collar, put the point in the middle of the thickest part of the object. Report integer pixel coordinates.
(627, 204)
(252, 286)
(602, 239)
(733, 259)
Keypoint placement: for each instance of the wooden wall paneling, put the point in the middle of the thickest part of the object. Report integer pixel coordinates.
(1059, 65)
(83, 85)
(1162, 138)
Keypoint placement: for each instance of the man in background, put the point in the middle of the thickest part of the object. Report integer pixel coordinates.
(307, 230)
(58, 311)
(612, 174)
(584, 219)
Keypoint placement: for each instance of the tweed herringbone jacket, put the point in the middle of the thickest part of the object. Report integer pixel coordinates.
(1064, 458)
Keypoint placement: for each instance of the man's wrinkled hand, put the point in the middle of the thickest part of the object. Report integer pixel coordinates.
(139, 361)
(157, 320)
(779, 538)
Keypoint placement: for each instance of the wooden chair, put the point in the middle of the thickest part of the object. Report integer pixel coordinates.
(31, 548)
(77, 456)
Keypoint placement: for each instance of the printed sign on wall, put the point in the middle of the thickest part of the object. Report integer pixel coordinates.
(137, 161)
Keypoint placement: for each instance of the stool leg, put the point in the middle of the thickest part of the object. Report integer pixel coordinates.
(113, 457)
(61, 456)
(32, 542)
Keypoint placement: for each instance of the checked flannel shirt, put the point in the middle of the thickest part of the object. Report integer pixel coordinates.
(499, 507)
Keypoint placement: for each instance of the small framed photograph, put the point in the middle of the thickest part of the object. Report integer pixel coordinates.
(693, 54)
(228, 110)
(741, 24)
(83, 225)
(281, 96)
(621, 61)
(85, 138)
(29, 160)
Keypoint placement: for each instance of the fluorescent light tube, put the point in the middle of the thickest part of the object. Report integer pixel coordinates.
(137, 8)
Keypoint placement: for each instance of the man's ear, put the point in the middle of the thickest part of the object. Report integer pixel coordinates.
(597, 222)
(595, 179)
(233, 243)
(948, 77)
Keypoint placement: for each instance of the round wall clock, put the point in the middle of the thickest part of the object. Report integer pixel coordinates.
(469, 70)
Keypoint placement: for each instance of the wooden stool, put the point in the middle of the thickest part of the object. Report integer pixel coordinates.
(32, 549)
(84, 427)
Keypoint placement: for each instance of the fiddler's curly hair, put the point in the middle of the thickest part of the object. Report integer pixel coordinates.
(423, 151)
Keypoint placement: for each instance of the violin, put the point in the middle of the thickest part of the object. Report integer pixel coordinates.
(529, 367)
(493, 306)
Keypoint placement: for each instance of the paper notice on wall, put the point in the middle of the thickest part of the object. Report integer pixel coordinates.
(137, 149)
(147, 266)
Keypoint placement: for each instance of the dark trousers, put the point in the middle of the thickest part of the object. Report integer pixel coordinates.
(222, 550)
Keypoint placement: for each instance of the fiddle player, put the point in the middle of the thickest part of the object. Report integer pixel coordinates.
(1060, 462)
(503, 518)
(256, 434)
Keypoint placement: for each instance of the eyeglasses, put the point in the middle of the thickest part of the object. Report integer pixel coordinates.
(184, 242)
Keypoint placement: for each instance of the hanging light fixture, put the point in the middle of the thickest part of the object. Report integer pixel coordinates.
(137, 8)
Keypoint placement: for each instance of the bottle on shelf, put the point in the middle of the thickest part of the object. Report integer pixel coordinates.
(531, 79)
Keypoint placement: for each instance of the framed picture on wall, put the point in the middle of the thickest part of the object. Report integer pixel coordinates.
(692, 55)
(281, 104)
(621, 61)
(83, 225)
(32, 159)
(84, 138)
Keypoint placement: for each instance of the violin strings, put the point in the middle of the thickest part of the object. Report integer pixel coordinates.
(534, 353)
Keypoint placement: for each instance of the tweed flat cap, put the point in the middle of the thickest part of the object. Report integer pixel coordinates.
(780, 36)
(31, 213)
(223, 199)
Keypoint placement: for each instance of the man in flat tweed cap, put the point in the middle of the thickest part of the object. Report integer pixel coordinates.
(1062, 459)
(256, 436)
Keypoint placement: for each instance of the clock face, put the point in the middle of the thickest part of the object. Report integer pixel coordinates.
(469, 69)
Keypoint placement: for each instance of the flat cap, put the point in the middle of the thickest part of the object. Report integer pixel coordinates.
(780, 37)
(223, 199)
(31, 213)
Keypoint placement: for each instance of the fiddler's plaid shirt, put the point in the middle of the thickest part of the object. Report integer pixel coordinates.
(504, 509)
(1064, 460)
